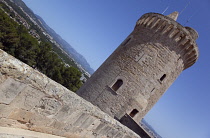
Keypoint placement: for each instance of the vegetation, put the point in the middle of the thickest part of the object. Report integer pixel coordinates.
(43, 38)
(15, 40)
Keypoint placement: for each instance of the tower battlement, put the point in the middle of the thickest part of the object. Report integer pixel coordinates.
(184, 36)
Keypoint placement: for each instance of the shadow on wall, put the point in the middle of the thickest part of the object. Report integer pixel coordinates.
(130, 123)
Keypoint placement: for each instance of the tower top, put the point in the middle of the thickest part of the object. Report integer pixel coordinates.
(174, 15)
(184, 37)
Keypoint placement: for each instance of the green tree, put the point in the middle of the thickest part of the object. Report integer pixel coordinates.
(71, 78)
(16, 40)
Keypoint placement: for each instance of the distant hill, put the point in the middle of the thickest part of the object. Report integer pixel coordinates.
(64, 45)
(149, 128)
(21, 4)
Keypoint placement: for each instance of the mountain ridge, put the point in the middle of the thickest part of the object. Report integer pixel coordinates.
(147, 127)
(64, 44)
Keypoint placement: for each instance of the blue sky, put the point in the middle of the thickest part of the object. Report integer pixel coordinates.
(96, 27)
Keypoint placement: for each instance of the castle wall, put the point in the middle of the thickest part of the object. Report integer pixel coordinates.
(30, 100)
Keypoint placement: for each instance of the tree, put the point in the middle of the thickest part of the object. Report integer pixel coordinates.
(16, 40)
(71, 78)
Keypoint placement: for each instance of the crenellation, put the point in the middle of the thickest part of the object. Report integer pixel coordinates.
(155, 23)
(179, 37)
(150, 21)
(146, 20)
(166, 28)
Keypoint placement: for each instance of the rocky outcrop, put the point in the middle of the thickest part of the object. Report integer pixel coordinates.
(30, 100)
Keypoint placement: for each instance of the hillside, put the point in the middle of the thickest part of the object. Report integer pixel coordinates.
(18, 38)
(66, 46)
(55, 37)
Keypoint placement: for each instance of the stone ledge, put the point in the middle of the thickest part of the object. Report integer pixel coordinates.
(45, 106)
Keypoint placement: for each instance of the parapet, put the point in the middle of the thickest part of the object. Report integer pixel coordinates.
(30, 100)
(184, 36)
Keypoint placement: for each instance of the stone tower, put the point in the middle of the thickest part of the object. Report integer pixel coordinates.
(143, 67)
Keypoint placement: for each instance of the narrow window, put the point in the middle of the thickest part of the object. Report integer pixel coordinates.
(163, 77)
(117, 85)
(133, 113)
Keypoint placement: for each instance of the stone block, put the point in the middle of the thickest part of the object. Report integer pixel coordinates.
(5, 122)
(70, 120)
(48, 106)
(112, 132)
(54, 88)
(57, 125)
(100, 127)
(93, 126)
(5, 110)
(37, 79)
(64, 113)
(119, 135)
(9, 89)
(13, 67)
(21, 115)
(104, 130)
(89, 121)
(79, 122)
(28, 98)
(71, 99)
(29, 118)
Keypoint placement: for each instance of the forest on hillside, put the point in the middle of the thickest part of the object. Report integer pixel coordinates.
(15, 40)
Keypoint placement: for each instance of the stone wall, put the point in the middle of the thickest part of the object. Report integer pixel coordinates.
(128, 121)
(30, 100)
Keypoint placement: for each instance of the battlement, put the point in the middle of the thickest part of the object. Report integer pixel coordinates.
(184, 36)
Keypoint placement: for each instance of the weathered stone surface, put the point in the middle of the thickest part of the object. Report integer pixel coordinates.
(29, 118)
(6, 122)
(13, 67)
(5, 110)
(88, 122)
(48, 106)
(112, 132)
(119, 135)
(9, 89)
(37, 79)
(53, 88)
(2, 78)
(28, 98)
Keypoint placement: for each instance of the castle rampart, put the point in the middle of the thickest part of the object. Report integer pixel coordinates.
(30, 100)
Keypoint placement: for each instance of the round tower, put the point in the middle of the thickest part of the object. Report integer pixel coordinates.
(143, 67)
